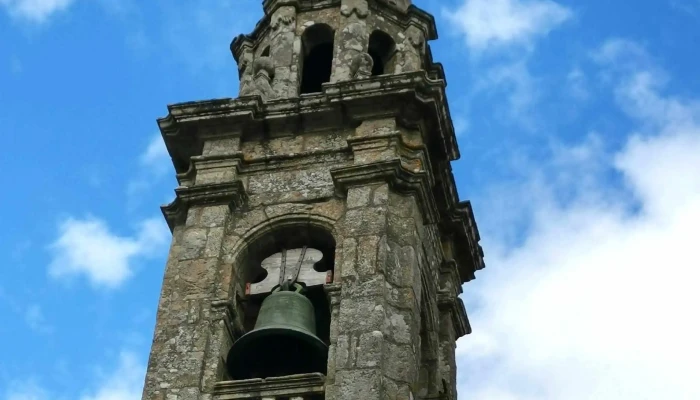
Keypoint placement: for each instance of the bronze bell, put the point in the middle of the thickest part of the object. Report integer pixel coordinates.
(283, 341)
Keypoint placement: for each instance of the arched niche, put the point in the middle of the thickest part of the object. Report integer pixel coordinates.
(382, 49)
(316, 58)
(274, 238)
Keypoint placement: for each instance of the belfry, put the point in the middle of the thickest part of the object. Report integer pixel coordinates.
(319, 245)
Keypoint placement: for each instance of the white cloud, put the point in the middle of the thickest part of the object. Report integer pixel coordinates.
(597, 302)
(156, 157)
(499, 23)
(577, 84)
(199, 33)
(15, 65)
(519, 87)
(27, 390)
(155, 164)
(36, 11)
(34, 317)
(124, 383)
(88, 247)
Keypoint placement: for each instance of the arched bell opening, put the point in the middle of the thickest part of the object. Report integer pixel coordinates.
(291, 327)
(382, 49)
(317, 58)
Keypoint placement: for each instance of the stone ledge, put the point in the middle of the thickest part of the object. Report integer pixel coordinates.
(393, 173)
(231, 193)
(287, 386)
(410, 97)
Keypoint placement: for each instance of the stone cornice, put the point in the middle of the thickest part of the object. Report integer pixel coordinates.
(457, 220)
(393, 173)
(412, 98)
(231, 193)
(448, 302)
(287, 386)
(448, 297)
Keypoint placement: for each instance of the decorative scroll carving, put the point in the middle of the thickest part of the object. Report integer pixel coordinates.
(357, 7)
(282, 20)
(411, 51)
(361, 67)
(264, 71)
(256, 76)
(245, 73)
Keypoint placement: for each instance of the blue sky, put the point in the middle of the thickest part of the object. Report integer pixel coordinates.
(579, 128)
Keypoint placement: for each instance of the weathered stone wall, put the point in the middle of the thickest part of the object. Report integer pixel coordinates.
(272, 65)
(384, 252)
(367, 182)
(182, 341)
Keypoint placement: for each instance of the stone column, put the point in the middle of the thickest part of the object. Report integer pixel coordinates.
(448, 346)
(377, 353)
(283, 25)
(352, 39)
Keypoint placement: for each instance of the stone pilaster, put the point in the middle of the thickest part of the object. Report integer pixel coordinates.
(192, 281)
(352, 38)
(283, 26)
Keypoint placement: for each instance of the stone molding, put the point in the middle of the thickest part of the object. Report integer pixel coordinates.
(398, 178)
(448, 297)
(231, 193)
(224, 310)
(272, 388)
(448, 302)
(404, 96)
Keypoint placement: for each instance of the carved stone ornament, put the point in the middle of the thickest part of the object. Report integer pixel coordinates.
(296, 265)
(362, 65)
(357, 7)
(245, 73)
(264, 71)
(415, 38)
(282, 19)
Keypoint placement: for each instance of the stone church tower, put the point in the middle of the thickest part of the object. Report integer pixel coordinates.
(330, 173)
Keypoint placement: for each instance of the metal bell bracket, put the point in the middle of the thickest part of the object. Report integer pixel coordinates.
(295, 265)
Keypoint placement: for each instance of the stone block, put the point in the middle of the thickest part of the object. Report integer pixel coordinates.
(213, 216)
(367, 257)
(220, 147)
(248, 221)
(193, 242)
(402, 230)
(381, 195)
(399, 362)
(214, 240)
(358, 384)
(348, 258)
(400, 326)
(369, 353)
(365, 221)
(361, 314)
(358, 196)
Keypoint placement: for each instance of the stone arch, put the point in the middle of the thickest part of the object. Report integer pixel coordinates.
(382, 49)
(317, 57)
(270, 236)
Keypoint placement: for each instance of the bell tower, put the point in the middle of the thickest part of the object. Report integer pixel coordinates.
(319, 245)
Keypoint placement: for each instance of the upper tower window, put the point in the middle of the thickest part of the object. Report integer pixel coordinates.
(317, 43)
(382, 49)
